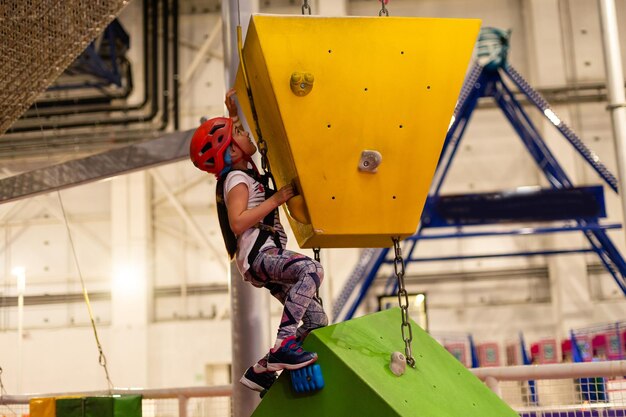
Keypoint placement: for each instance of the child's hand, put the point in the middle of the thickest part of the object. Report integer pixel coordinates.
(284, 194)
(230, 102)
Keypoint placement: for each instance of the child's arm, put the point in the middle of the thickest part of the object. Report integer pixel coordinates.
(241, 218)
(232, 107)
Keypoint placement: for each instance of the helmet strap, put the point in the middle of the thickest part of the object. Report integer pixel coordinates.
(244, 156)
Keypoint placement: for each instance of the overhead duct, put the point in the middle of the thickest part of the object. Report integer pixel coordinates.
(40, 38)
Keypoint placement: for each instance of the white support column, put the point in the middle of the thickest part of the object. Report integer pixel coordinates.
(615, 86)
(131, 286)
(249, 305)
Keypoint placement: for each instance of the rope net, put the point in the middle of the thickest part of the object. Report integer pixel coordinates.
(39, 39)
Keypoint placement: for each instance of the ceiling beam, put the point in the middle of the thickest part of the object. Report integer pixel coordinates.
(165, 149)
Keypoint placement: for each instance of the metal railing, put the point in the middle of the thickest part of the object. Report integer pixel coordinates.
(182, 395)
(571, 389)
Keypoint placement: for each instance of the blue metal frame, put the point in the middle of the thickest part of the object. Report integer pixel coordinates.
(488, 82)
(518, 232)
(442, 211)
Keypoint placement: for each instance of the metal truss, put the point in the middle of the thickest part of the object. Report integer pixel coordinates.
(490, 82)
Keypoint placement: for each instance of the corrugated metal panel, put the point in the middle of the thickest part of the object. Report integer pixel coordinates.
(166, 149)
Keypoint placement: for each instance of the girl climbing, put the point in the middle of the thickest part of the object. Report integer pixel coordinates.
(253, 234)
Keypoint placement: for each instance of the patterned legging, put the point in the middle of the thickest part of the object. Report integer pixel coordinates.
(293, 279)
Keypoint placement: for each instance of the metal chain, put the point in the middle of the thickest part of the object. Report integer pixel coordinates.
(306, 6)
(2, 393)
(403, 300)
(263, 151)
(1, 384)
(383, 10)
(316, 255)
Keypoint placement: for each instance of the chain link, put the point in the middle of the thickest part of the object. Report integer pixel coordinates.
(316, 256)
(383, 10)
(305, 7)
(263, 151)
(3, 392)
(403, 300)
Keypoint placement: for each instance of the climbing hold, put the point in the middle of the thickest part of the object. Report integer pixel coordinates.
(397, 364)
(369, 161)
(301, 83)
(307, 379)
(297, 209)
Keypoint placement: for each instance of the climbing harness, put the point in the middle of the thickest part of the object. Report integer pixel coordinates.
(403, 300)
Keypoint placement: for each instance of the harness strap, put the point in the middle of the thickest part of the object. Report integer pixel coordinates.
(266, 227)
(264, 234)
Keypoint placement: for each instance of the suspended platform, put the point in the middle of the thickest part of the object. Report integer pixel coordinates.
(354, 111)
(355, 357)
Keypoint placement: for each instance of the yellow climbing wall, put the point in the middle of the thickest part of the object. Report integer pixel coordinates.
(384, 84)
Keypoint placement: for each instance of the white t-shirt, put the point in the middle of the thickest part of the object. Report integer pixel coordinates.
(256, 195)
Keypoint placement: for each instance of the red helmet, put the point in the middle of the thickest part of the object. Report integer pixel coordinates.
(209, 144)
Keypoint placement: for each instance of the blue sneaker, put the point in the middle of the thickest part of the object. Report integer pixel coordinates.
(261, 381)
(289, 356)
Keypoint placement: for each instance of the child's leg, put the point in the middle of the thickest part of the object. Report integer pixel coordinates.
(258, 377)
(299, 276)
(313, 318)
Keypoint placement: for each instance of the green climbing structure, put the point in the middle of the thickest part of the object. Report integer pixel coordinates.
(354, 356)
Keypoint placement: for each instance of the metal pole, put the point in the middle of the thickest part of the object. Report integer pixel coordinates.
(20, 275)
(615, 87)
(248, 305)
(182, 406)
(494, 385)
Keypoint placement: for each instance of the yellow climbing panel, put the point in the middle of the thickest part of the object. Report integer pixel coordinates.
(354, 111)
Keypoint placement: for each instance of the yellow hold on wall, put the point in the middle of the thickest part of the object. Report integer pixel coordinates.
(354, 111)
